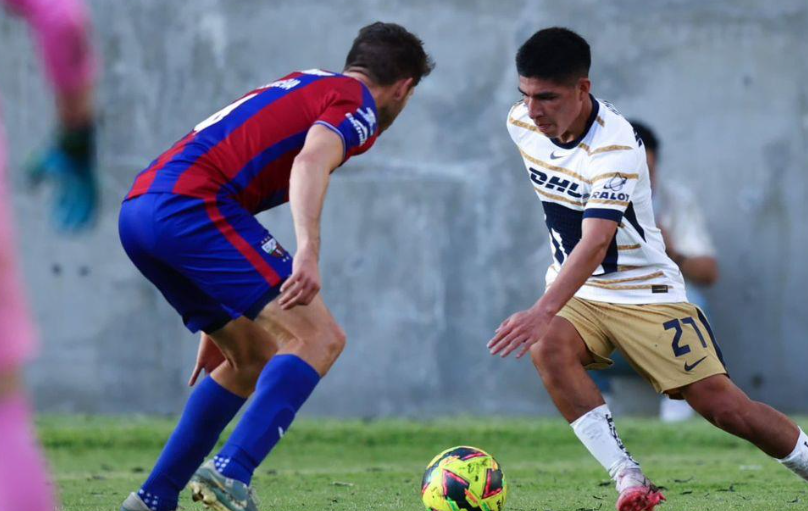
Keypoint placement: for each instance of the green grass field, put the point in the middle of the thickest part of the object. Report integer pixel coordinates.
(354, 465)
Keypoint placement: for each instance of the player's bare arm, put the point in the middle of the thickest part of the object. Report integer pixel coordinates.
(525, 328)
(701, 270)
(321, 154)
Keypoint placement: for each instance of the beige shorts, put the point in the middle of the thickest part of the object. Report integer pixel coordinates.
(671, 345)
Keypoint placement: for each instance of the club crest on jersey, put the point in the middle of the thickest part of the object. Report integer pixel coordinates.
(271, 246)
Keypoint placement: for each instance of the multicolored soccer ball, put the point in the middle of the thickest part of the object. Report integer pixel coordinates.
(464, 478)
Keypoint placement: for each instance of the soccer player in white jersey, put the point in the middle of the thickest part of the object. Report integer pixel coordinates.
(611, 285)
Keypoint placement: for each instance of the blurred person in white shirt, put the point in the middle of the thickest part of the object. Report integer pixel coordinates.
(687, 242)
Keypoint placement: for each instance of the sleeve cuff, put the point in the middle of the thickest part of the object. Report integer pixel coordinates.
(604, 213)
(341, 136)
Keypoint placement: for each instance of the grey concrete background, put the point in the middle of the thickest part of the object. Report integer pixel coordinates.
(435, 236)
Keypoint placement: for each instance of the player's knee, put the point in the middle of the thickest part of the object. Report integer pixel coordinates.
(549, 355)
(334, 341)
(323, 342)
(536, 354)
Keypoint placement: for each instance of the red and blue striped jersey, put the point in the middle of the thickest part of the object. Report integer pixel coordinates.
(245, 151)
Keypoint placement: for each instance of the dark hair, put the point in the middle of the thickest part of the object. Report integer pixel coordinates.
(387, 52)
(556, 54)
(647, 135)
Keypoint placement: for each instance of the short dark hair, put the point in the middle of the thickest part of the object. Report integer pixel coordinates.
(387, 52)
(556, 54)
(647, 135)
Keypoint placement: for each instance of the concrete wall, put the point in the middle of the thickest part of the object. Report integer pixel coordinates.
(435, 236)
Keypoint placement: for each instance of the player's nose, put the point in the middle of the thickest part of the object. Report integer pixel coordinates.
(533, 109)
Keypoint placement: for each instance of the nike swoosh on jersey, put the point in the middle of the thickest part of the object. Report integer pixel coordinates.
(553, 156)
(697, 362)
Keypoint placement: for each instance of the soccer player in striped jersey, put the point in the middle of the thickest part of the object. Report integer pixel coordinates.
(188, 224)
(610, 284)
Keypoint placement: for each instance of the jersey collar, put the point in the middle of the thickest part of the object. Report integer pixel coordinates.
(589, 123)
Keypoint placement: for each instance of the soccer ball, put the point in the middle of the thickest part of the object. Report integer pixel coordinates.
(464, 478)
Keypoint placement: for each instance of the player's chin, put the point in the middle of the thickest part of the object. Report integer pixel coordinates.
(548, 130)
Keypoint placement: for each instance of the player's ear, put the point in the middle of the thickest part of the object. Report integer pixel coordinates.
(584, 86)
(402, 88)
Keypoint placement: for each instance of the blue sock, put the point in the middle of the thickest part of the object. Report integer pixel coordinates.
(285, 384)
(209, 410)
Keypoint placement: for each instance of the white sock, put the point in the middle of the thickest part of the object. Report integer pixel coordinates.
(797, 461)
(596, 431)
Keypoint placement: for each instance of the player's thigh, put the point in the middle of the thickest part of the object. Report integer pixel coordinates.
(309, 330)
(244, 343)
(713, 394)
(671, 345)
(576, 328)
(304, 323)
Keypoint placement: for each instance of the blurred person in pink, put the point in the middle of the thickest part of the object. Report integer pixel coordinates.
(61, 29)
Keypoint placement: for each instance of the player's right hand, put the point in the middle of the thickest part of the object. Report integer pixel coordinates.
(520, 331)
(70, 165)
(304, 284)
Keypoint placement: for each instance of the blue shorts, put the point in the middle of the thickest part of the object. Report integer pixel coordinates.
(211, 259)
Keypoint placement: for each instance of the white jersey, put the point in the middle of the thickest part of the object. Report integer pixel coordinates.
(603, 174)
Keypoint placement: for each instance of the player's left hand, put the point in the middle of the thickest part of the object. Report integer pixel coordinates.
(70, 165)
(208, 358)
(304, 284)
(521, 330)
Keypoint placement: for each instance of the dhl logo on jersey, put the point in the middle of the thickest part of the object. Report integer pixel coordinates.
(570, 188)
(556, 184)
